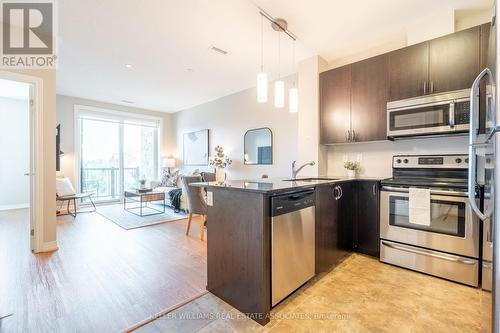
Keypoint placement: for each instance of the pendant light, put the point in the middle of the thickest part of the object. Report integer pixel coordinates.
(262, 76)
(279, 85)
(293, 94)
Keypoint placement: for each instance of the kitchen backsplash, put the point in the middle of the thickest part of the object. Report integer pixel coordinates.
(376, 157)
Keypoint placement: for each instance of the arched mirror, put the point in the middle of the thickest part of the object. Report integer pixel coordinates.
(259, 146)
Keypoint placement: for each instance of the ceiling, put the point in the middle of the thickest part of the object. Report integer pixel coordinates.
(168, 42)
(14, 89)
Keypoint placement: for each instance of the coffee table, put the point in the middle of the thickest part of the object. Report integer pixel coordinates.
(142, 198)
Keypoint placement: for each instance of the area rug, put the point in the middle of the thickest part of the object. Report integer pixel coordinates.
(128, 220)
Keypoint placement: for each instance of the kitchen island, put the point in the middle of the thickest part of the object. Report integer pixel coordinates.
(239, 237)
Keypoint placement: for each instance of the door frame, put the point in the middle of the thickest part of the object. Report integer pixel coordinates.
(37, 153)
(81, 108)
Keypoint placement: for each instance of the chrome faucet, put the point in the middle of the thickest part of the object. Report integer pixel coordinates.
(296, 171)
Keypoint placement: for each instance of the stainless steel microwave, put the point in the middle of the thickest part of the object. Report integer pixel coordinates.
(437, 114)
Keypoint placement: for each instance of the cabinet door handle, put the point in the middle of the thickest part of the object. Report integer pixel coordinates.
(341, 192)
(353, 135)
(425, 87)
(334, 194)
(374, 189)
(432, 87)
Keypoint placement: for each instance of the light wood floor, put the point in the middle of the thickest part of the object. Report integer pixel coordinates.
(102, 279)
(361, 295)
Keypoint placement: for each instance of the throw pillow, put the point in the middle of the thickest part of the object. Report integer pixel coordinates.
(164, 178)
(64, 187)
(169, 179)
(172, 180)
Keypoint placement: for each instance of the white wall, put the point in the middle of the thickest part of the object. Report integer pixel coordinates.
(376, 157)
(309, 148)
(14, 153)
(228, 119)
(65, 117)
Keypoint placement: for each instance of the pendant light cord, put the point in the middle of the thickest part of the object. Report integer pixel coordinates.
(293, 59)
(261, 43)
(279, 54)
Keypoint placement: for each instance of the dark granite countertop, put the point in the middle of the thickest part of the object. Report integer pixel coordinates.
(275, 185)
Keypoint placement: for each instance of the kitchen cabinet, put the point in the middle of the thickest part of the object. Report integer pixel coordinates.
(346, 216)
(454, 61)
(353, 102)
(408, 71)
(334, 208)
(440, 65)
(369, 99)
(366, 227)
(335, 105)
(353, 98)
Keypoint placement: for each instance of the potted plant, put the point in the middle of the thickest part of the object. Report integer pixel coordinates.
(219, 162)
(352, 168)
(142, 183)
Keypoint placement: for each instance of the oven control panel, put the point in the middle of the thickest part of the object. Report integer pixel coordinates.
(431, 161)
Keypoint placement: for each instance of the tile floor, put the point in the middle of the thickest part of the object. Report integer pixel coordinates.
(359, 295)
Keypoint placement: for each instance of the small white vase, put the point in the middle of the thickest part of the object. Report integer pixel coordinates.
(351, 174)
(220, 175)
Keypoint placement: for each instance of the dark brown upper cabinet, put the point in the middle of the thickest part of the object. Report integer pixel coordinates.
(443, 64)
(408, 72)
(335, 105)
(353, 98)
(454, 61)
(369, 99)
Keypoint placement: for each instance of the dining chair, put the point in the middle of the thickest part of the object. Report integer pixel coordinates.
(196, 202)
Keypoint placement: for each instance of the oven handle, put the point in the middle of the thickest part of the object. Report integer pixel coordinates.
(437, 192)
(429, 253)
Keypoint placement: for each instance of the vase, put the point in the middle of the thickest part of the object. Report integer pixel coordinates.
(351, 174)
(142, 186)
(220, 175)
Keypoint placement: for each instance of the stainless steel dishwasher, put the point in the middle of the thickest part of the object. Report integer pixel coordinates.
(292, 242)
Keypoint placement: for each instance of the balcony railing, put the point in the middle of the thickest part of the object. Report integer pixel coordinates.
(105, 182)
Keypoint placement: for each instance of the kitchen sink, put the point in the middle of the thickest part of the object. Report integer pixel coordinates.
(309, 179)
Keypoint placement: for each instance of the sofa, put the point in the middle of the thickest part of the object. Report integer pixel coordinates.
(175, 183)
(157, 186)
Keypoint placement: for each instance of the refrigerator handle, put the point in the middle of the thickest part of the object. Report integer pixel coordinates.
(474, 116)
(472, 182)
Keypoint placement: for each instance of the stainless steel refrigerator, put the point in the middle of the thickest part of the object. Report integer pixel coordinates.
(484, 177)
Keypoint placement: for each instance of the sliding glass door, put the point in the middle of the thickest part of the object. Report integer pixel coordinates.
(100, 159)
(115, 151)
(139, 154)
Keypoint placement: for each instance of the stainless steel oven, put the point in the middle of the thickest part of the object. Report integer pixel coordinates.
(453, 227)
(437, 114)
(447, 244)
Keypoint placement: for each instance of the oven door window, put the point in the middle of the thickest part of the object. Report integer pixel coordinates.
(429, 116)
(447, 217)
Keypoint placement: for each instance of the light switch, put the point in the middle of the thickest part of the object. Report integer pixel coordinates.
(210, 198)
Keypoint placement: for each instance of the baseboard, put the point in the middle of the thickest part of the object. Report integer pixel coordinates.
(19, 206)
(49, 247)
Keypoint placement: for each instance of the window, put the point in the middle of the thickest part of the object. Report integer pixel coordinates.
(115, 150)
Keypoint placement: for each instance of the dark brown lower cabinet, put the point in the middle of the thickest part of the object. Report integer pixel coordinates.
(346, 220)
(366, 227)
(333, 224)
